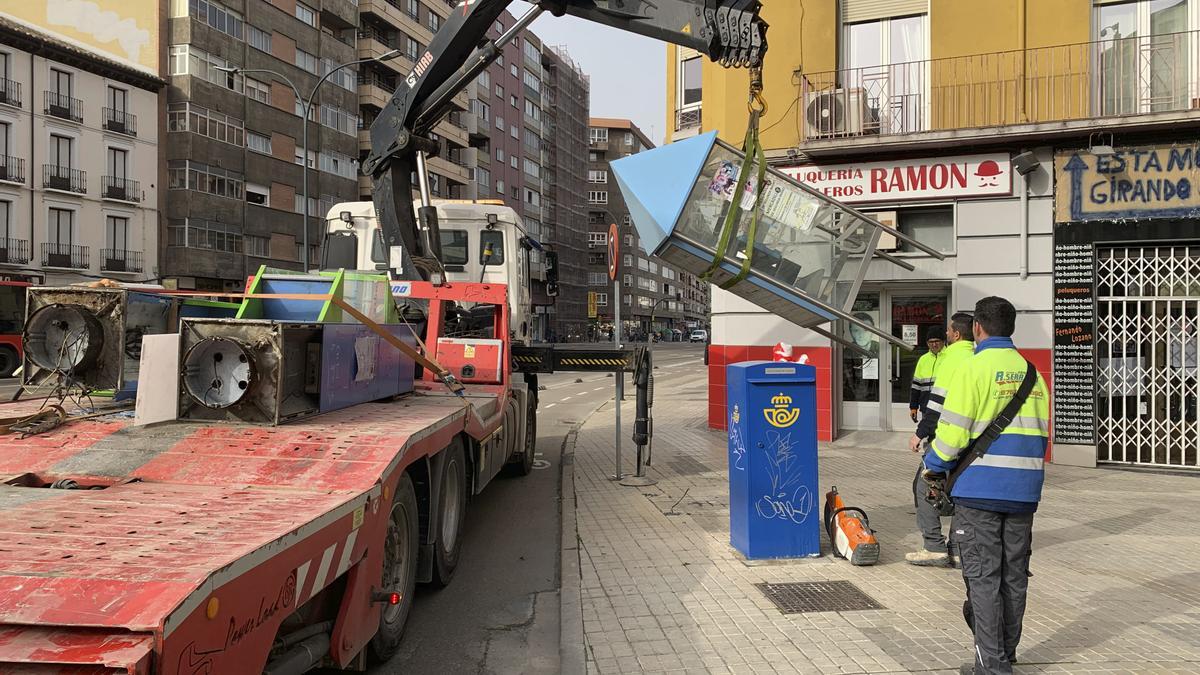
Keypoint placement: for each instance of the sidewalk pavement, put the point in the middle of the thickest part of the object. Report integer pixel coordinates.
(1116, 564)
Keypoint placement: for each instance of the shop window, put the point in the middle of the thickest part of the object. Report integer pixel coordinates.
(933, 226)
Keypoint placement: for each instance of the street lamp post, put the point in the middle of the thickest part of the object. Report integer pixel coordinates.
(306, 107)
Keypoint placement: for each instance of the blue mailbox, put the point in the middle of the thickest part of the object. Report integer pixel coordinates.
(773, 489)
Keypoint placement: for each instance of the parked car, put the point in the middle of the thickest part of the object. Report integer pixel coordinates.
(699, 335)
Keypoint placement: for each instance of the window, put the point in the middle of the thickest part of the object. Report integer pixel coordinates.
(533, 110)
(481, 109)
(593, 156)
(602, 299)
(595, 217)
(531, 81)
(689, 82)
(499, 91)
(259, 91)
(61, 151)
(118, 100)
(500, 123)
(339, 120)
(500, 188)
(653, 267)
(629, 240)
(514, 131)
(498, 26)
(258, 246)
(434, 21)
(627, 260)
(491, 247)
(532, 168)
(598, 197)
(346, 78)
(598, 238)
(933, 226)
(62, 83)
(1144, 56)
(61, 227)
(259, 39)
(5, 215)
(412, 48)
(338, 165)
(512, 161)
(411, 7)
(5, 135)
(314, 207)
(869, 47)
(455, 245)
(532, 52)
(597, 279)
(499, 154)
(629, 139)
(116, 233)
(306, 14)
(485, 80)
(117, 163)
(210, 123)
(627, 279)
(212, 13)
(258, 142)
(258, 194)
(308, 62)
(533, 197)
(598, 135)
(188, 60)
(596, 258)
(482, 176)
(184, 174)
(626, 219)
(512, 100)
(512, 70)
(598, 176)
(205, 234)
(643, 264)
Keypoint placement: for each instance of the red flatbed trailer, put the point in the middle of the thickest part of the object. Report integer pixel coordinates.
(188, 544)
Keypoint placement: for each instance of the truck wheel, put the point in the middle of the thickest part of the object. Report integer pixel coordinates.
(399, 569)
(8, 361)
(451, 512)
(525, 465)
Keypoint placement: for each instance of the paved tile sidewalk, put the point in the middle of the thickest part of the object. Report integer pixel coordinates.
(1116, 565)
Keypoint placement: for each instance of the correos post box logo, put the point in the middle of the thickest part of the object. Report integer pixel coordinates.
(781, 414)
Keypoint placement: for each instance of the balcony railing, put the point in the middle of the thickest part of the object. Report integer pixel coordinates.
(120, 122)
(63, 107)
(1119, 76)
(12, 169)
(55, 177)
(14, 251)
(120, 260)
(120, 189)
(10, 92)
(687, 119)
(68, 256)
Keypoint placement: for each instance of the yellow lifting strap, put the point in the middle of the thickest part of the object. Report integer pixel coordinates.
(755, 160)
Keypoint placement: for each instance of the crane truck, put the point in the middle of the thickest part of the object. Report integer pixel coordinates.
(208, 548)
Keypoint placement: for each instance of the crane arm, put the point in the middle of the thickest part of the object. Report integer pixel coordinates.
(730, 32)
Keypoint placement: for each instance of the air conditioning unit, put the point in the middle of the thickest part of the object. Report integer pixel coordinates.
(840, 112)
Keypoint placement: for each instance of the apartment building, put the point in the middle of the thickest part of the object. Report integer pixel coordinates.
(1051, 157)
(652, 292)
(565, 120)
(409, 26)
(234, 144)
(79, 144)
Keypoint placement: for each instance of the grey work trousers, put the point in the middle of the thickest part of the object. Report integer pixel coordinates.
(994, 550)
(928, 518)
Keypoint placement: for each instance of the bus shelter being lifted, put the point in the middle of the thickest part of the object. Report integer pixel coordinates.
(810, 253)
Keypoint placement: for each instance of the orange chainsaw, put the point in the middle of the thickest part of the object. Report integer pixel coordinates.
(850, 532)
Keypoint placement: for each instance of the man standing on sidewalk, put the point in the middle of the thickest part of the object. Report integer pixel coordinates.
(934, 552)
(925, 371)
(996, 495)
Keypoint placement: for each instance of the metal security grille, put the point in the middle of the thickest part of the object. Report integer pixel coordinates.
(817, 596)
(1148, 312)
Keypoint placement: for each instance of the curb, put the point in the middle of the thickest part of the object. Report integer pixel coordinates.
(571, 648)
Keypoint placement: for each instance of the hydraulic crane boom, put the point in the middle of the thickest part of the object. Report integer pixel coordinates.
(730, 32)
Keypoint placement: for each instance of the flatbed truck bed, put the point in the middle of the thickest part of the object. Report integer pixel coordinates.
(186, 544)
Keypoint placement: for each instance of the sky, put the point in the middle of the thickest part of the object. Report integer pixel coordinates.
(631, 86)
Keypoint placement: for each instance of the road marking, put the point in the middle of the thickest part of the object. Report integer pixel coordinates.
(550, 405)
(566, 398)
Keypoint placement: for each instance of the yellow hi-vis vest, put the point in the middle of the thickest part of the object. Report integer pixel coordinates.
(948, 362)
(923, 376)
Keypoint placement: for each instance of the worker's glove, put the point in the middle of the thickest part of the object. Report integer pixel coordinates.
(935, 492)
(912, 412)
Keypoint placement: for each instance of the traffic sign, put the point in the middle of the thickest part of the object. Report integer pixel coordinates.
(613, 252)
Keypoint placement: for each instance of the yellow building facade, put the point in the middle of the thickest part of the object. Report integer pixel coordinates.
(1050, 149)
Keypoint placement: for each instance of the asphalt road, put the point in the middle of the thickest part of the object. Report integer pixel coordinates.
(501, 612)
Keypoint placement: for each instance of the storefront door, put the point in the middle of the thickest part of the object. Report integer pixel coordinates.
(875, 391)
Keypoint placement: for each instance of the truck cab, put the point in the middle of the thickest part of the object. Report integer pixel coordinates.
(482, 241)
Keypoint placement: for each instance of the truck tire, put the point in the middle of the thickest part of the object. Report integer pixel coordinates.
(399, 569)
(8, 361)
(524, 464)
(451, 514)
